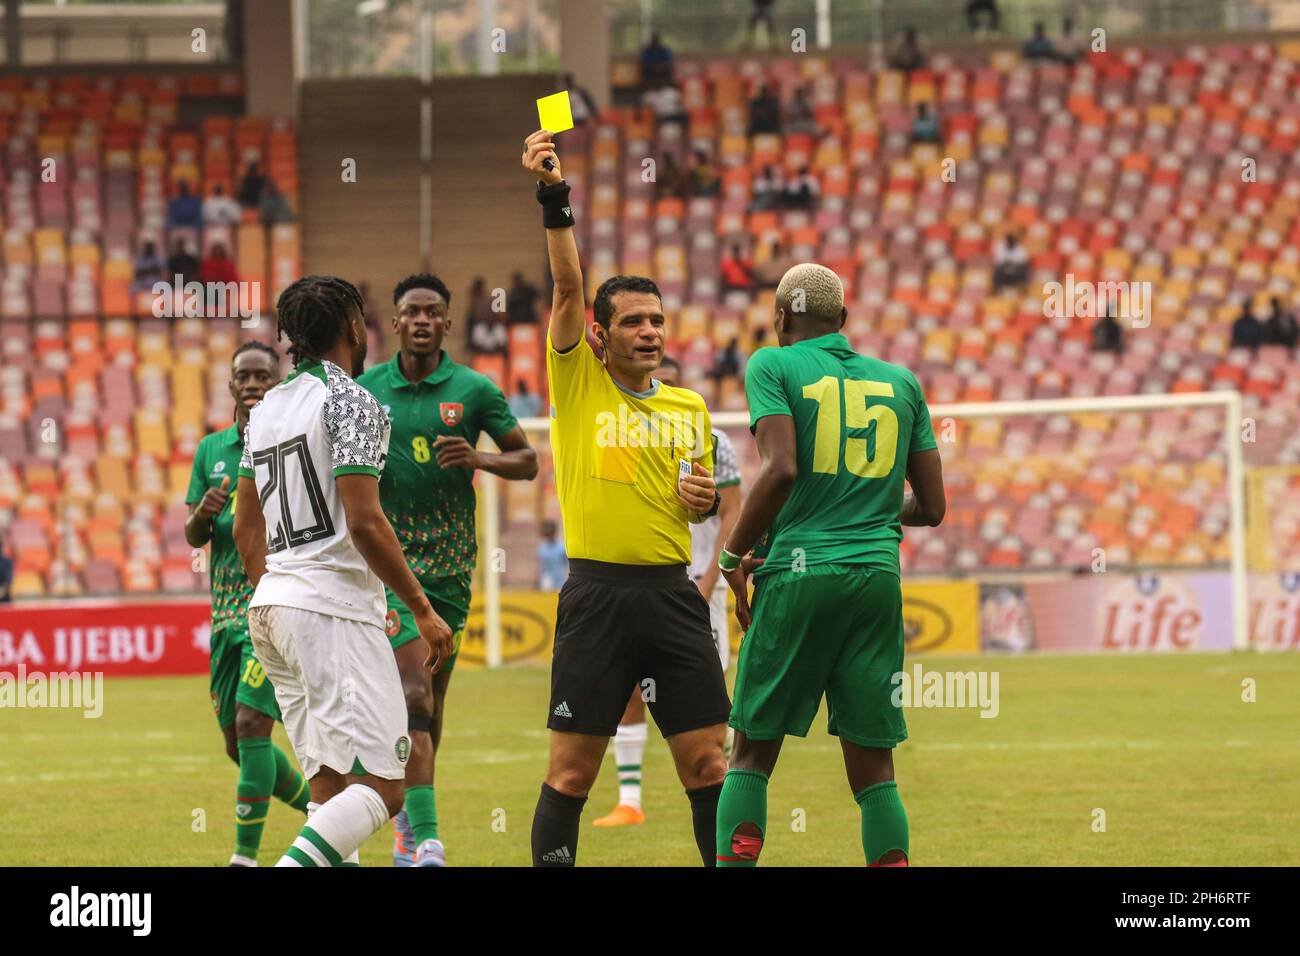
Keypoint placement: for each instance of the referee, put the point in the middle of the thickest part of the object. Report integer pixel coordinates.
(633, 465)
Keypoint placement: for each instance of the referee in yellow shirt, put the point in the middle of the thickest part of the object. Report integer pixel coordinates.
(633, 466)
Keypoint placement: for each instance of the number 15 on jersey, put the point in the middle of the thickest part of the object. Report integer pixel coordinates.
(870, 456)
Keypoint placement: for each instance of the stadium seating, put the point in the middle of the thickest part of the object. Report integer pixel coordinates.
(1126, 168)
(101, 404)
(1129, 167)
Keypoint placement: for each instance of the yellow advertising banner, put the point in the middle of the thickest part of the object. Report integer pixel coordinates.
(527, 629)
(939, 617)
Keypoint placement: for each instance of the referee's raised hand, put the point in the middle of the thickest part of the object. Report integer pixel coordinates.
(537, 148)
(697, 490)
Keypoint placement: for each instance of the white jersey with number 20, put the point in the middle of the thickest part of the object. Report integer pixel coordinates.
(314, 426)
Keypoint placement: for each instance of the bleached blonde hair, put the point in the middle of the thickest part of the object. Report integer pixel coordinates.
(812, 290)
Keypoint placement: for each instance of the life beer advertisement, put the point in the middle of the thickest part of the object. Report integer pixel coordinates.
(1115, 612)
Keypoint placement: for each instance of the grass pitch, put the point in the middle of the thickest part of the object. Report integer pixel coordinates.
(1186, 772)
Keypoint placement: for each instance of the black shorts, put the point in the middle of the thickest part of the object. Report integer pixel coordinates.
(621, 627)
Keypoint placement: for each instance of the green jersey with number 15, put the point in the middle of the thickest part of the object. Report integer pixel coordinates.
(856, 420)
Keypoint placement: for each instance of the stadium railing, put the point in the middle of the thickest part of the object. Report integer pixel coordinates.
(723, 25)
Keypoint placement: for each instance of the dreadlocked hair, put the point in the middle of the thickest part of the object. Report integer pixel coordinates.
(313, 312)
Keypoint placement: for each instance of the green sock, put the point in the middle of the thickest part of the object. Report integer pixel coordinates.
(884, 821)
(743, 800)
(290, 785)
(253, 793)
(422, 811)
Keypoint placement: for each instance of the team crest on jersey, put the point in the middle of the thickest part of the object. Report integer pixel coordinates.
(392, 624)
(452, 412)
(402, 748)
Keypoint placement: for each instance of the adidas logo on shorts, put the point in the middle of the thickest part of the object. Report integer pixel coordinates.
(562, 709)
(562, 855)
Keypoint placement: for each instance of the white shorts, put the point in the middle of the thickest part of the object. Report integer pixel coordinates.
(718, 619)
(339, 692)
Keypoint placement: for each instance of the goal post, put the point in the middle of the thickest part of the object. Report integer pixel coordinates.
(1229, 402)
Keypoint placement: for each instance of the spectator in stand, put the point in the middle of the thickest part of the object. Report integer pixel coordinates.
(250, 188)
(523, 403)
(802, 191)
(1107, 333)
(727, 362)
(482, 323)
(925, 125)
(764, 112)
(767, 274)
(769, 189)
(671, 181)
(185, 209)
(1069, 45)
(182, 262)
(666, 104)
(705, 179)
(217, 266)
(737, 271)
(149, 268)
(1039, 47)
(1010, 264)
(552, 563)
(275, 205)
(1247, 331)
(762, 12)
(583, 108)
(799, 117)
(521, 301)
(907, 55)
(1280, 326)
(219, 209)
(6, 573)
(656, 63)
(490, 335)
(974, 10)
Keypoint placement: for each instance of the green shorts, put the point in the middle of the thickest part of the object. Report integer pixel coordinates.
(832, 629)
(236, 677)
(450, 601)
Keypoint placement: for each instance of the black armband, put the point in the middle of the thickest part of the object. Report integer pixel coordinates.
(556, 211)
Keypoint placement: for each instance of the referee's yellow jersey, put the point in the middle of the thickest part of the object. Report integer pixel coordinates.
(617, 457)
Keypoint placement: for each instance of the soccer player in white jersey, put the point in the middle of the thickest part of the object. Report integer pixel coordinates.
(706, 539)
(319, 550)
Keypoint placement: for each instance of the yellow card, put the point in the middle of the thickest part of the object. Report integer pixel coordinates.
(554, 113)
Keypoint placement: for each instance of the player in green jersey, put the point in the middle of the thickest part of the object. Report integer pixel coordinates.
(242, 697)
(438, 409)
(838, 433)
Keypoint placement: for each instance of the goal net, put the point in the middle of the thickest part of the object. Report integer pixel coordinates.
(1073, 524)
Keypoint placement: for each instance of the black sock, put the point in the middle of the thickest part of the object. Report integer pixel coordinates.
(555, 828)
(704, 816)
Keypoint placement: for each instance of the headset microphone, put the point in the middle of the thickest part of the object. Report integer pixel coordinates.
(606, 347)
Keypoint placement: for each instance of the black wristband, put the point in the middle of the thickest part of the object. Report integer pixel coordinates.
(556, 211)
(717, 503)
